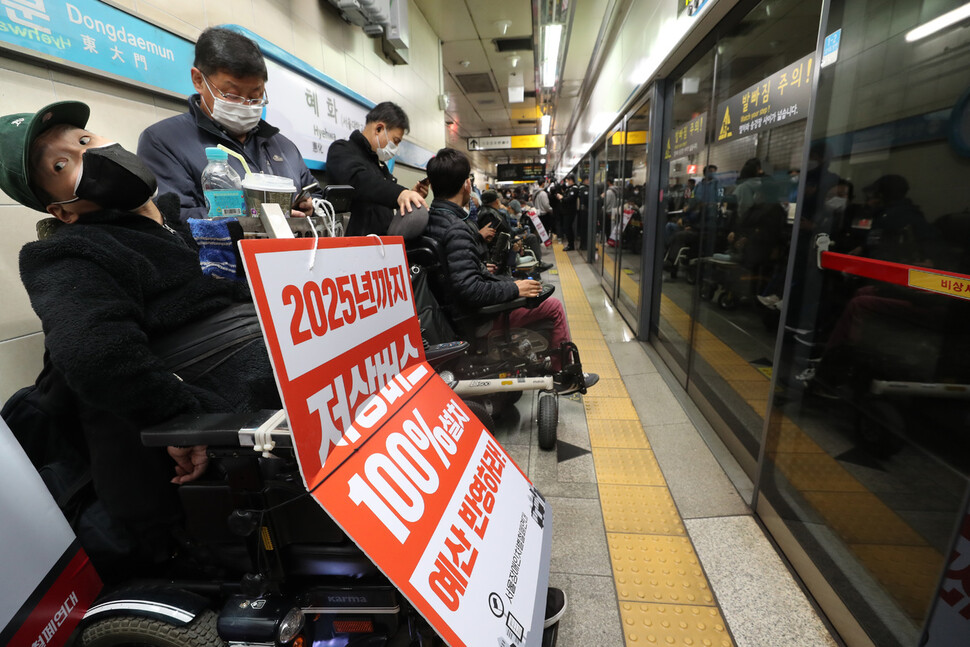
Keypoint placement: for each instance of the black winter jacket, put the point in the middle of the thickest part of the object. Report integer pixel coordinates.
(104, 289)
(473, 286)
(376, 191)
(174, 149)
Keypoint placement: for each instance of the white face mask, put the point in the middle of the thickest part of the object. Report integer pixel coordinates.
(236, 118)
(835, 203)
(386, 152)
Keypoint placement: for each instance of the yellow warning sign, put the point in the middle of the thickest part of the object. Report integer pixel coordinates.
(941, 283)
(726, 126)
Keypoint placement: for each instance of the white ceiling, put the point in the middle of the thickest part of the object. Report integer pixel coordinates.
(467, 29)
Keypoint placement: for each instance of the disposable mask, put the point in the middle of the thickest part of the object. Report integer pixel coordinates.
(113, 178)
(236, 118)
(386, 152)
(835, 203)
(794, 179)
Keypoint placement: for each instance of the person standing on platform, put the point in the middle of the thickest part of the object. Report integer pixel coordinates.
(361, 162)
(229, 75)
(569, 205)
(582, 215)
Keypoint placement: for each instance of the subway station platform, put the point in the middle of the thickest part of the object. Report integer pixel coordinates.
(654, 542)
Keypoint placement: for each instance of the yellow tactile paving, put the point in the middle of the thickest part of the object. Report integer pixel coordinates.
(673, 625)
(627, 466)
(609, 408)
(611, 388)
(790, 438)
(617, 433)
(862, 518)
(657, 568)
(640, 509)
(910, 573)
(653, 560)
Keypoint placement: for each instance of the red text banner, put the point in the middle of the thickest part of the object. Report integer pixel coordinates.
(388, 449)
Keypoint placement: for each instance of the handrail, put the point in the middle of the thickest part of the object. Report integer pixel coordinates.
(951, 284)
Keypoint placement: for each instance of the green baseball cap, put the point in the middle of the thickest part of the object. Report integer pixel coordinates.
(17, 134)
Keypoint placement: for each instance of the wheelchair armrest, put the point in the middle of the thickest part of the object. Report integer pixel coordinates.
(213, 429)
(521, 302)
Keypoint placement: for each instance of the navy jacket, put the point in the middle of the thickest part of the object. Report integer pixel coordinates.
(353, 162)
(472, 285)
(174, 149)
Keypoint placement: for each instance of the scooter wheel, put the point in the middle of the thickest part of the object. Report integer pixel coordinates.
(130, 630)
(482, 414)
(548, 420)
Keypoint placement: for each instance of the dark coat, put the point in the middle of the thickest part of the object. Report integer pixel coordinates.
(376, 191)
(105, 288)
(174, 149)
(472, 285)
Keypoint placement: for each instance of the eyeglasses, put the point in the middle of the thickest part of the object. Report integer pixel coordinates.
(235, 98)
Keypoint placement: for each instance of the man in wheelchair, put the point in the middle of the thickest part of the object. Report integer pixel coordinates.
(471, 283)
(134, 332)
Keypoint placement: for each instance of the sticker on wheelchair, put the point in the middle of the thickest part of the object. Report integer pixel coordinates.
(389, 450)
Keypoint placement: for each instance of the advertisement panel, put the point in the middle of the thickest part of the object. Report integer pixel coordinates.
(388, 450)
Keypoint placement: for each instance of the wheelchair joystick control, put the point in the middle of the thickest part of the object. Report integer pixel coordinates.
(242, 522)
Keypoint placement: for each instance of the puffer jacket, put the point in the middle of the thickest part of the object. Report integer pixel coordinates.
(105, 288)
(472, 286)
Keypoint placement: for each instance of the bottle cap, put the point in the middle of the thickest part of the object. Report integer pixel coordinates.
(216, 154)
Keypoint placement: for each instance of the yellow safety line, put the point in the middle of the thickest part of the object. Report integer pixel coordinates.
(663, 594)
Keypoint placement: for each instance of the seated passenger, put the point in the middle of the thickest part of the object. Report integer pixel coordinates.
(112, 283)
(473, 286)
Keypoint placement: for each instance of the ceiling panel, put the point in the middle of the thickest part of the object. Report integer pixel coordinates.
(450, 20)
(486, 14)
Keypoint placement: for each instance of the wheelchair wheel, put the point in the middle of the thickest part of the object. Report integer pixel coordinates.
(548, 420)
(481, 413)
(129, 631)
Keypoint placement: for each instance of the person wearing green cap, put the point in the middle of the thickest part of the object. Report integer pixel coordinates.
(112, 284)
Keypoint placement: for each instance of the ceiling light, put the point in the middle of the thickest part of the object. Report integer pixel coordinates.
(552, 34)
(931, 27)
(464, 63)
(503, 26)
(545, 122)
(542, 151)
(542, 160)
(514, 60)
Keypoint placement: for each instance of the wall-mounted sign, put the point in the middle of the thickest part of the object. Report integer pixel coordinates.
(690, 6)
(686, 139)
(506, 142)
(630, 138)
(520, 172)
(100, 37)
(314, 110)
(830, 50)
(779, 99)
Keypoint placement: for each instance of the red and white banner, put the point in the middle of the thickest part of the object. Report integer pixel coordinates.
(415, 479)
(48, 580)
(543, 234)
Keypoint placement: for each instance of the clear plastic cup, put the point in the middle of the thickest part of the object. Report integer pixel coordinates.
(259, 188)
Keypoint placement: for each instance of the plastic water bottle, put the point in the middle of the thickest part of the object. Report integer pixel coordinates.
(222, 186)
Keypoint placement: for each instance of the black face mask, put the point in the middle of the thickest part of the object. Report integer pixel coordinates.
(114, 178)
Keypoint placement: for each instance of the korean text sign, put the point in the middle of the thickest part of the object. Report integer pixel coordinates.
(412, 477)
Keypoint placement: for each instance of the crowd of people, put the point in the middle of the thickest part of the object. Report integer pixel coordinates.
(117, 282)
